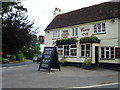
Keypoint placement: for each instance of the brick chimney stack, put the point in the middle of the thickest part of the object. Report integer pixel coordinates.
(56, 12)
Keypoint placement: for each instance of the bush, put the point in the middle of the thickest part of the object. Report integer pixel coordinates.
(63, 59)
(87, 61)
(13, 57)
(20, 57)
(92, 39)
(4, 60)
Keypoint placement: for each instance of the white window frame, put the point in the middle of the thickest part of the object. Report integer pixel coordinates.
(101, 28)
(75, 32)
(63, 50)
(105, 50)
(56, 34)
(85, 50)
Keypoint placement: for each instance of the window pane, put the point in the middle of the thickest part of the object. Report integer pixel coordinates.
(99, 27)
(102, 52)
(87, 53)
(66, 50)
(103, 27)
(87, 47)
(112, 50)
(107, 56)
(82, 47)
(82, 53)
(76, 31)
(73, 52)
(112, 56)
(95, 28)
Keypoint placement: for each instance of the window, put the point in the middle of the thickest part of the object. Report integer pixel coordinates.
(107, 52)
(73, 50)
(99, 28)
(85, 50)
(60, 50)
(74, 32)
(56, 34)
(67, 50)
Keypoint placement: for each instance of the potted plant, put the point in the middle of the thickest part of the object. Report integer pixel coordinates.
(63, 60)
(87, 63)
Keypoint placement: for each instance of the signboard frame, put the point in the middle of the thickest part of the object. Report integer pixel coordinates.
(49, 59)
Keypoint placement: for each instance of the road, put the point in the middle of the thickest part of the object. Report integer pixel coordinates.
(17, 64)
(27, 76)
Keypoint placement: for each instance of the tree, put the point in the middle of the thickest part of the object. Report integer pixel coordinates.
(16, 28)
(33, 49)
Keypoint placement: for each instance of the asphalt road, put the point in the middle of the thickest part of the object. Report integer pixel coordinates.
(28, 76)
(17, 64)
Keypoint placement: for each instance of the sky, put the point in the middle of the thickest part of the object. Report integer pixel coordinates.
(41, 11)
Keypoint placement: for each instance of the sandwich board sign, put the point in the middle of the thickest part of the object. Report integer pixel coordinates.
(49, 59)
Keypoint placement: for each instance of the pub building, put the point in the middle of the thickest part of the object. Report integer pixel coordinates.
(92, 31)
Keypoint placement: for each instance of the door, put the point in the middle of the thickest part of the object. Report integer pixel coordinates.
(96, 56)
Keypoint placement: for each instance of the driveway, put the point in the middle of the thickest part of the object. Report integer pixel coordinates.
(27, 76)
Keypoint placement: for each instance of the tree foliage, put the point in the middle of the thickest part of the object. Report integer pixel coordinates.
(16, 27)
(33, 49)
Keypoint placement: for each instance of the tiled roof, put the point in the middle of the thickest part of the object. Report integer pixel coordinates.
(93, 13)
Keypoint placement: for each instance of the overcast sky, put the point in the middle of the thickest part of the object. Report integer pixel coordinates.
(41, 11)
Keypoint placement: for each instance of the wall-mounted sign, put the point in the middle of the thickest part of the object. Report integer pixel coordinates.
(49, 59)
(84, 31)
(65, 34)
(117, 52)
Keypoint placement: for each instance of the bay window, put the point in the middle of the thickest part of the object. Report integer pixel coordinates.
(85, 50)
(67, 50)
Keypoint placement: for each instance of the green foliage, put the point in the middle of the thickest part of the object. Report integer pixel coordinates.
(20, 57)
(91, 39)
(13, 57)
(63, 59)
(4, 60)
(66, 41)
(16, 27)
(87, 61)
(33, 49)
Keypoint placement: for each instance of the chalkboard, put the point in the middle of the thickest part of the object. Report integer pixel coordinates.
(49, 59)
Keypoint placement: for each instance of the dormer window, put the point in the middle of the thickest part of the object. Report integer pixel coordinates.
(99, 28)
(74, 32)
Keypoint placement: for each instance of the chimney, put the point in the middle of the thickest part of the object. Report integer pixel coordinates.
(56, 12)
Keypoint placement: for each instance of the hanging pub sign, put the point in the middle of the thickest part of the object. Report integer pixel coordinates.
(49, 59)
(41, 40)
(117, 52)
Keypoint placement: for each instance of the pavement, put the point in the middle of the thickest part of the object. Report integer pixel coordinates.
(28, 76)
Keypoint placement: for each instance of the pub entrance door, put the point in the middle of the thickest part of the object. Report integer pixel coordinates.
(96, 56)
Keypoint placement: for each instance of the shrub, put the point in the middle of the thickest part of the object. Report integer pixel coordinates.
(63, 59)
(87, 61)
(20, 57)
(13, 57)
(4, 60)
(91, 39)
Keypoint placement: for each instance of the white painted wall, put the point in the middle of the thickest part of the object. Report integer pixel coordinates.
(108, 39)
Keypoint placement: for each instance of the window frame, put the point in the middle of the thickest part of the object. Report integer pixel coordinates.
(100, 28)
(85, 50)
(105, 51)
(75, 32)
(56, 34)
(69, 50)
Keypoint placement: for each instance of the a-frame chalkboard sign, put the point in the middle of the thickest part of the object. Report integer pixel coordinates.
(49, 59)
